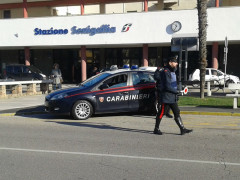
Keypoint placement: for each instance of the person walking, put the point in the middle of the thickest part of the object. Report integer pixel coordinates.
(56, 75)
(169, 96)
(157, 77)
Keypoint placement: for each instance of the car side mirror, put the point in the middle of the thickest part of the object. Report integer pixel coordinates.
(104, 86)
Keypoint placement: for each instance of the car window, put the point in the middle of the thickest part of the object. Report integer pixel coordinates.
(142, 78)
(214, 73)
(9, 69)
(17, 69)
(207, 72)
(26, 70)
(94, 79)
(117, 81)
(34, 69)
(219, 73)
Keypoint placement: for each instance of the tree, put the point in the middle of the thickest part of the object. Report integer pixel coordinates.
(202, 24)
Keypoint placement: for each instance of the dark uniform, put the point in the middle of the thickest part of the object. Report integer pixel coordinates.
(168, 96)
(157, 77)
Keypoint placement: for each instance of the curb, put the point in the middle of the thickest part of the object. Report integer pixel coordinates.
(210, 113)
(182, 112)
(21, 114)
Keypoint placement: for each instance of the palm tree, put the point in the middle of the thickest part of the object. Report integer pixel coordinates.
(202, 24)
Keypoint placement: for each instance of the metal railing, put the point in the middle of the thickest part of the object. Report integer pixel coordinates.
(15, 88)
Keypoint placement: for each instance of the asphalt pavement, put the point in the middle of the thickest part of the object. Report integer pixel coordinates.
(35, 104)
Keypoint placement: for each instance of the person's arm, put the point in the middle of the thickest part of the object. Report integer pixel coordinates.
(157, 75)
(59, 73)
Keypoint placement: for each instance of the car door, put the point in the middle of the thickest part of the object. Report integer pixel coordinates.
(114, 96)
(26, 73)
(207, 75)
(17, 73)
(142, 95)
(214, 75)
(10, 72)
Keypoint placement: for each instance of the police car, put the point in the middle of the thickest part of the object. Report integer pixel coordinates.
(119, 90)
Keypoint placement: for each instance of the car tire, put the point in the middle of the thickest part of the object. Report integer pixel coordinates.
(82, 110)
(228, 82)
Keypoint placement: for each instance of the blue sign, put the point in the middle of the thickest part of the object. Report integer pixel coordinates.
(76, 31)
(93, 31)
(50, 31)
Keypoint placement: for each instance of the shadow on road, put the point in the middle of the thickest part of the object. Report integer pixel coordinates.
(101, 126)
(39, 113)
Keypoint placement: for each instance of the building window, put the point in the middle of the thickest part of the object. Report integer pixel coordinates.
(6, 14)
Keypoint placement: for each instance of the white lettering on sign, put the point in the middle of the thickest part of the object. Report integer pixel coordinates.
(127, 97)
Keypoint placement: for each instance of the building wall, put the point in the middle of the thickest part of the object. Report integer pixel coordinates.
(182, 4)
(32, 12)
(92, 9)
(159, 5)
(231, 2)
(40, 12)
(156, 32)
(134, 7)
(114, 8)
(120, 8)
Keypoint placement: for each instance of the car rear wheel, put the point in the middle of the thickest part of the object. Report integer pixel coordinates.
(82, 110)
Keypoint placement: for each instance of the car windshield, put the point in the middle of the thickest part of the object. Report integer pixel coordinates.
(95, 79)
(34, 69)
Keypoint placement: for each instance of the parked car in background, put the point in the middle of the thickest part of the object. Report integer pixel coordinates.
(21, 72)
(213, 75)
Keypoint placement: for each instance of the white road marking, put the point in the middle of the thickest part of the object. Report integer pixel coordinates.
(120, 156)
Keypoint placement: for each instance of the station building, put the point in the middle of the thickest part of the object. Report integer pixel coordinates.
(110, 32)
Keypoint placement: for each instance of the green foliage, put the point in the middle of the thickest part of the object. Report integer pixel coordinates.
(207, 101)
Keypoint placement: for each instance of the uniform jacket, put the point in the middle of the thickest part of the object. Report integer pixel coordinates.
(157, 77)
(168, 85)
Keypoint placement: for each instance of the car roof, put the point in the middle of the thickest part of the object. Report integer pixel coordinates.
(15, 65)
(126, 70)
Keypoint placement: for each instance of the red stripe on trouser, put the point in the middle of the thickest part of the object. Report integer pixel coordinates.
(162, 111)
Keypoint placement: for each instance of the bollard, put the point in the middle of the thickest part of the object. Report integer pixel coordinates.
(31, 89)
(17, 89)
(209, 93)
(3, 92)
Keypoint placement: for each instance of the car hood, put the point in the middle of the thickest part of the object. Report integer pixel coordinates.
(235, 78)
(68, 91)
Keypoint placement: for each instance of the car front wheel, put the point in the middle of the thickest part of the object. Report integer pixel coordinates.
(82, 110)
(228, 82)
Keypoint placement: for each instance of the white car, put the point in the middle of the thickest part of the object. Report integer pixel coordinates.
(148, 68)
(214, 75)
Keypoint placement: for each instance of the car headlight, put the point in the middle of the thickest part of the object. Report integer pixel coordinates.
(59, 96)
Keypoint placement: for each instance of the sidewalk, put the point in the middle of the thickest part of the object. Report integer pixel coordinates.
(35, 104)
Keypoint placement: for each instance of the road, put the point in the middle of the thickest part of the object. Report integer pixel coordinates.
(50, 147)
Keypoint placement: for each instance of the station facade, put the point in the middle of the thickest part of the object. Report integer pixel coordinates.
(112, 32)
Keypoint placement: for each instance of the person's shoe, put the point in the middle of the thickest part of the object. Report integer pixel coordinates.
(185, 131)
(169, 115)
(157, 131)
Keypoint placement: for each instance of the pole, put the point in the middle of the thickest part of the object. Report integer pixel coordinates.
(225, 61)
(180, 66)
(186, 66)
